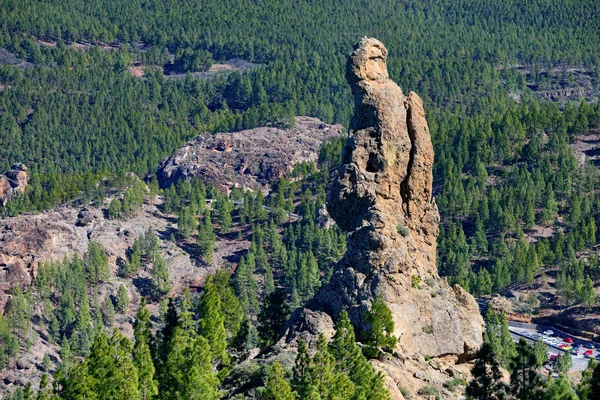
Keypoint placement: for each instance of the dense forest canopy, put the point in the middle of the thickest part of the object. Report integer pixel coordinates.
(74, 112)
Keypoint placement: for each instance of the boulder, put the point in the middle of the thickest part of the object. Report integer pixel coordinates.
(13, 182)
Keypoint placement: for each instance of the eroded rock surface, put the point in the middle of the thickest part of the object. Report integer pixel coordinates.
(383, 199)
(13, 182)
(28, 240)
(248, 159)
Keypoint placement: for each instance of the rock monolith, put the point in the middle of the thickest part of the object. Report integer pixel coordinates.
(383, 198)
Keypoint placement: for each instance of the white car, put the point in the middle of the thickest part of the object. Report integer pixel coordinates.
(549, 333)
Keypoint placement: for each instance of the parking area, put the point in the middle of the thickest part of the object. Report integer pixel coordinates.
(558, 343)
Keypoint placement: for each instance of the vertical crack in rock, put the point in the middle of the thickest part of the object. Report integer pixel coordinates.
(404, 190)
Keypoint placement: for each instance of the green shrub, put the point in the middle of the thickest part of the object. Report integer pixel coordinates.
(453, 384)
(404, 392)
(429, 391)
(427, 329)
(415, 281)
(402, 230)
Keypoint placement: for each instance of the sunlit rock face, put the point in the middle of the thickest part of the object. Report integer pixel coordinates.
(383, 198)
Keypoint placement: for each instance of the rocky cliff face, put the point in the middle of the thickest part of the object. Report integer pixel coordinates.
(248, 159)
(13, 182)
(383, 199)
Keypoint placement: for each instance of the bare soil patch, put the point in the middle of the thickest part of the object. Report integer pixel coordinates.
(137, 71)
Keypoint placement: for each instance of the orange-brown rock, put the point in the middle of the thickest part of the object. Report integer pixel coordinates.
(383, 199)
(13, 182)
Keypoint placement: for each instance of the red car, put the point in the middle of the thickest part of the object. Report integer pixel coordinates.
(588, 353)
(569, 340)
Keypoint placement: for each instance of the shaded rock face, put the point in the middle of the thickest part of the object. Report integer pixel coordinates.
(13, 182)
(383, 199)
(249, 159)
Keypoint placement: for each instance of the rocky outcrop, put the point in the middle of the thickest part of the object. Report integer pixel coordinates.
(28, 240)
(13, 182)
(248, 159)
(383, 199)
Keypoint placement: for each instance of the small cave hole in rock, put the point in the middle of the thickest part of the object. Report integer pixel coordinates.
(373, 163)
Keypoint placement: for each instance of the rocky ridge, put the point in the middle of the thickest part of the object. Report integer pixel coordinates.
(249, 159)
(13, 182)
(383, 199)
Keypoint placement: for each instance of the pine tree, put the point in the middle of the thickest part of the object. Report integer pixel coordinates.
(588, 295)
(160, 277)
(245, 284)
(96, 264)
(45, 392)
(19, 315)
(269, 280)
(202, 383)
(381, 326)
(584, 390)
(487, 377)
(563, 363)
(540, 351)
(206, 239)
(498, 336)
(67, 361)
(525, 381)
(188, 371)
(142, 357)
(350, 360)
(550, 208)
(327, 383)
(122, 304)
(78, 384)
(224, 208)
(302, 373)
(187, 318)
(115, 208)
(230, 305)
(83, 326)
(272, 317)
(595, 386)
(212, 323)
(108, 312)
(561, 389)
(277, 386)
(125, 378)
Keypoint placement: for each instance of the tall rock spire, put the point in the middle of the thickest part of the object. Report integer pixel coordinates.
(383, 198)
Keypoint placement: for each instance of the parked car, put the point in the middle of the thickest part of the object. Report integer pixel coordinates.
(588, 353)
(588, 345)
(569, 340)
(598, 357)
(575, 352)
(548, 333)
(553, 357)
